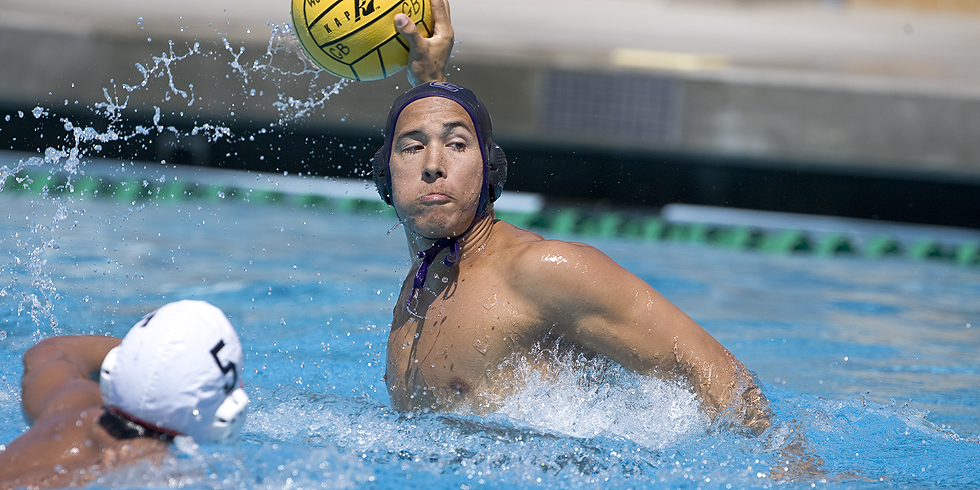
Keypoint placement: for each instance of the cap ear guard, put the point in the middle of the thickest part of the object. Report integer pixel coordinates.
(498, 171)
(381, 179)
(230, 417)
(105, 374)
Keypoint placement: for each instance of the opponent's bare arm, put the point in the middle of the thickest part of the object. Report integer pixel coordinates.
(428, 57)
(603, 307)
(60, 374)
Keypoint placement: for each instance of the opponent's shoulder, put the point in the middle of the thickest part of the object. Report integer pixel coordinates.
(60, 373)
(80, 352)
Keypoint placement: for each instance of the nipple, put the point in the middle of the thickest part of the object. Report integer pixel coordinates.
(459, 386)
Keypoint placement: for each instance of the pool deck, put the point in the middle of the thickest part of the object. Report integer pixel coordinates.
(840, 88)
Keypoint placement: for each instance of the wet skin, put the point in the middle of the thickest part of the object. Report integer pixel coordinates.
(65, 445)
(511, 289)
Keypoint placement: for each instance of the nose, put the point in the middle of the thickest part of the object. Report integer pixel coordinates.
(434, 166)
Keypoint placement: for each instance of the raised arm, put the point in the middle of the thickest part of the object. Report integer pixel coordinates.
(428, 57)
(61, 373)
(605, 308)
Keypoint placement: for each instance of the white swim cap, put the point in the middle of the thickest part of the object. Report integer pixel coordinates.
(179, 370)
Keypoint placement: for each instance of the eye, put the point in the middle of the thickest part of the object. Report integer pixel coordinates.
(412, 147)
(457, 145)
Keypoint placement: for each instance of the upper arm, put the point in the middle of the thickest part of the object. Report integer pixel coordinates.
(603, 306)
(598, 304)
(58, 373)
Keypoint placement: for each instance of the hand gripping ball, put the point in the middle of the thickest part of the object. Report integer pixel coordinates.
(356, 39)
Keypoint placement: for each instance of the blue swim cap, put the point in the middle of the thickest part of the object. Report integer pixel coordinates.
(494, 160)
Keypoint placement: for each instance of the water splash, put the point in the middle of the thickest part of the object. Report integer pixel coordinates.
(121, 120)
(815, 442)
(562, 391)
(419, 448)
(276, 465)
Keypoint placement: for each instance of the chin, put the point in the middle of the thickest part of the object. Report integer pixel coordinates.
(436, 232)
(440, 225)
(431, 229)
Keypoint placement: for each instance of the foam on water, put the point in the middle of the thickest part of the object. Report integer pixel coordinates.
(585, 398)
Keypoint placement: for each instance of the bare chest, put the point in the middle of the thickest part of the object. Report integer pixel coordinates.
(446, 348)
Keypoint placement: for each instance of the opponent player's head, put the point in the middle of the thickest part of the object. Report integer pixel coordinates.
(494, 160)
(178, 371)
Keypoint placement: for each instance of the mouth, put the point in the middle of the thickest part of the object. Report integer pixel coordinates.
(434, 197)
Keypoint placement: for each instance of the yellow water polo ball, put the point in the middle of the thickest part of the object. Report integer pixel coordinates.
(356, 39)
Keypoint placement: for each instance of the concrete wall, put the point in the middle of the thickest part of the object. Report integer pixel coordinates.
(782, 121)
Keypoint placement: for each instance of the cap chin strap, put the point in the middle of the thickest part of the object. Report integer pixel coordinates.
(427, 256)
(121, 425)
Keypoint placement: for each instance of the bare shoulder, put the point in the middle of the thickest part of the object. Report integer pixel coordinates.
(531, 251)
(536, 265)
(59, 371)
(81, 351)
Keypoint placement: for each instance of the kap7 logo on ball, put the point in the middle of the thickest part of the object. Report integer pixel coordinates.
(356, 39)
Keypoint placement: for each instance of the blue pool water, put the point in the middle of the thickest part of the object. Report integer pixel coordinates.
(871, 366)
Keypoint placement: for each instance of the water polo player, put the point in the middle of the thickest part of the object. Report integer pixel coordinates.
(483, 291)
(178, 372)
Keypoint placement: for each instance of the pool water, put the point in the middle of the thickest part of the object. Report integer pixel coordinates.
(870, 365)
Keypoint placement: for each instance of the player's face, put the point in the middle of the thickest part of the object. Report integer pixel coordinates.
(436, 168)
